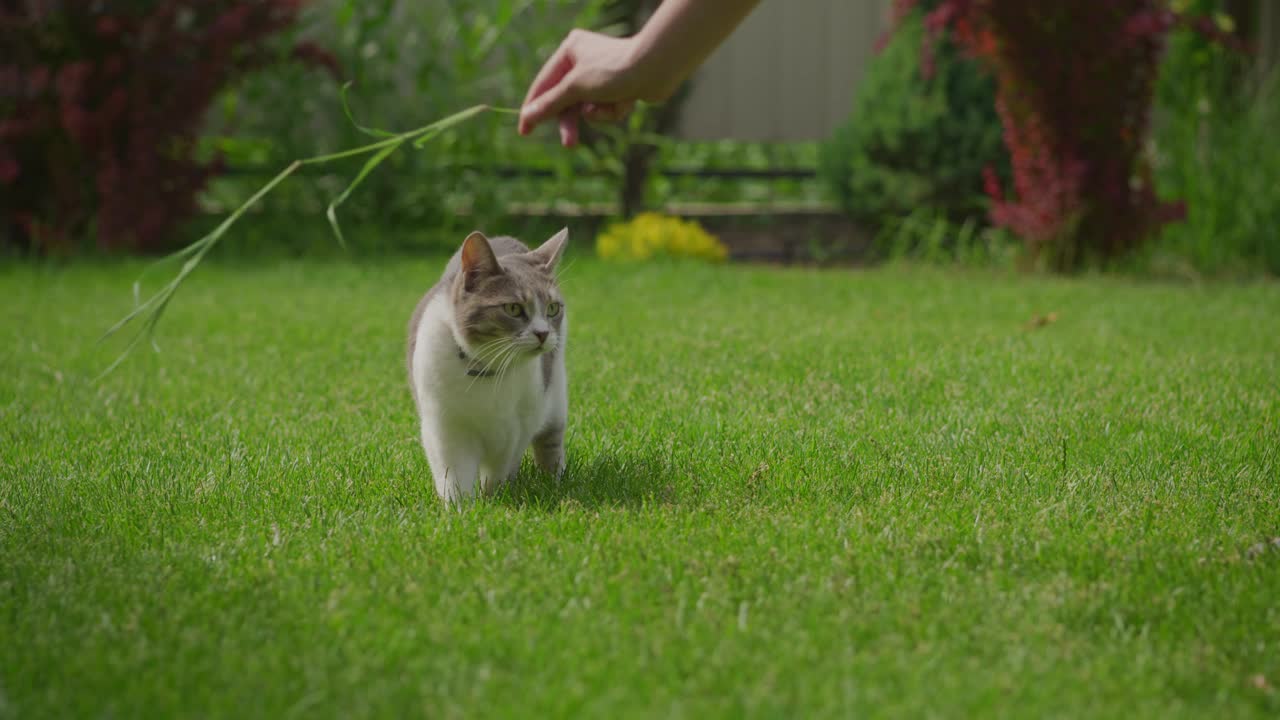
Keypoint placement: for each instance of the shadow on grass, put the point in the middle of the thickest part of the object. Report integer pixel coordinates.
(604, 480)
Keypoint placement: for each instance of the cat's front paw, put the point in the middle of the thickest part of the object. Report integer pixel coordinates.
(548, 451)
(550, 461)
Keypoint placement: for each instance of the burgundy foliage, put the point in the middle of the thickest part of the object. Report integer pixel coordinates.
(1075, 86)
(101, 104)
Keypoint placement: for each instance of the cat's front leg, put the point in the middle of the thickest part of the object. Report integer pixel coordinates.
(548, 449)
(455, 467)
(491, 475)
(548, 443)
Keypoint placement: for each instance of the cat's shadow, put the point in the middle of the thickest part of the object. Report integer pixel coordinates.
(602, 480)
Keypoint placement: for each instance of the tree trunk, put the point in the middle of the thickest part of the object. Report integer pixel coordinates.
(635, 179)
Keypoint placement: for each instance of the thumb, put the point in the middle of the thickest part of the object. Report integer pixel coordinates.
(552, 103)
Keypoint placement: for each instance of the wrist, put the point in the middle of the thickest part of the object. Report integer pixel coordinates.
(655, 69)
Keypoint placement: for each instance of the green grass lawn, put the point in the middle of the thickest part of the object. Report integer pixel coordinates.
(791, 493)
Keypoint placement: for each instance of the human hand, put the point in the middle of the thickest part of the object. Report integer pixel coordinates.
(593, 77)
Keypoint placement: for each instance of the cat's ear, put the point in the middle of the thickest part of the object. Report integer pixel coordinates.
(548, 253)
(478, 259)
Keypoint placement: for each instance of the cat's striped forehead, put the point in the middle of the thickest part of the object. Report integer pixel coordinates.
(526, 274)
(521, 280)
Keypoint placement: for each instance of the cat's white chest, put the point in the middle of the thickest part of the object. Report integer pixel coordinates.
(470, 421)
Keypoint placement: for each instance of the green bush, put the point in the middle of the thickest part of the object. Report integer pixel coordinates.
(1214, 148)
(1223, 162)
(913, 142)
(928, 238)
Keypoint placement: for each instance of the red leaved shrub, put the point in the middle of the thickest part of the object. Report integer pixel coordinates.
(100, 108)
(1075, 86)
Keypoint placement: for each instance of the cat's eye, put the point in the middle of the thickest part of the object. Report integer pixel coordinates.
(514, 309)
(553, 309)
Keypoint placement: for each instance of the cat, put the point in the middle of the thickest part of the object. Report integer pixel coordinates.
(486, 364)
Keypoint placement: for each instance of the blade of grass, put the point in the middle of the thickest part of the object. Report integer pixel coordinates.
(375, 132)
(154, 306)
(198, 249)
(369, 165)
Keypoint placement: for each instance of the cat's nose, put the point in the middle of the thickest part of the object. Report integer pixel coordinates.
(541, 335)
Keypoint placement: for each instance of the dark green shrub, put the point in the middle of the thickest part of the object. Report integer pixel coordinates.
(101, 105)
(913, 142)
(1214, 146)
(1223, 159)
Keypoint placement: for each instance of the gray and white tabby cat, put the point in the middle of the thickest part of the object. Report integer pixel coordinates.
(486, 364)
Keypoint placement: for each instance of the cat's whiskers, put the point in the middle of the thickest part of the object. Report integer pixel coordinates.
(494, 361)
(561, 270)
(485, 348)
(487, 354)
(507, 361)
(490, 360)
(483, 351)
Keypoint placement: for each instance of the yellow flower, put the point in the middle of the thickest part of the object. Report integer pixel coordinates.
(651, 235)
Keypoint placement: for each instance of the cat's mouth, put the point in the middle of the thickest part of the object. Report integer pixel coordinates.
(539, 343)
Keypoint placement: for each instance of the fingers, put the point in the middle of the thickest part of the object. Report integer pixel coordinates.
(607, 112)
(553, 73)
(570, 116)
(569, 127)
(555, 100)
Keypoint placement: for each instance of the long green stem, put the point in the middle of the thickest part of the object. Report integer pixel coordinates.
(153, 307)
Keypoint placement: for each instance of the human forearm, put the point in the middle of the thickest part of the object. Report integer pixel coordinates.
(679, 37)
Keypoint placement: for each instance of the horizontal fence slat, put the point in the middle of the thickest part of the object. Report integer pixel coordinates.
(513, 171)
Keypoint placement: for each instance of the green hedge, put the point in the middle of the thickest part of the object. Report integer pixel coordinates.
(913, 143)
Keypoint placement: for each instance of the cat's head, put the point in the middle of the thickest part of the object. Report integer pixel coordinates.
(509, 305)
